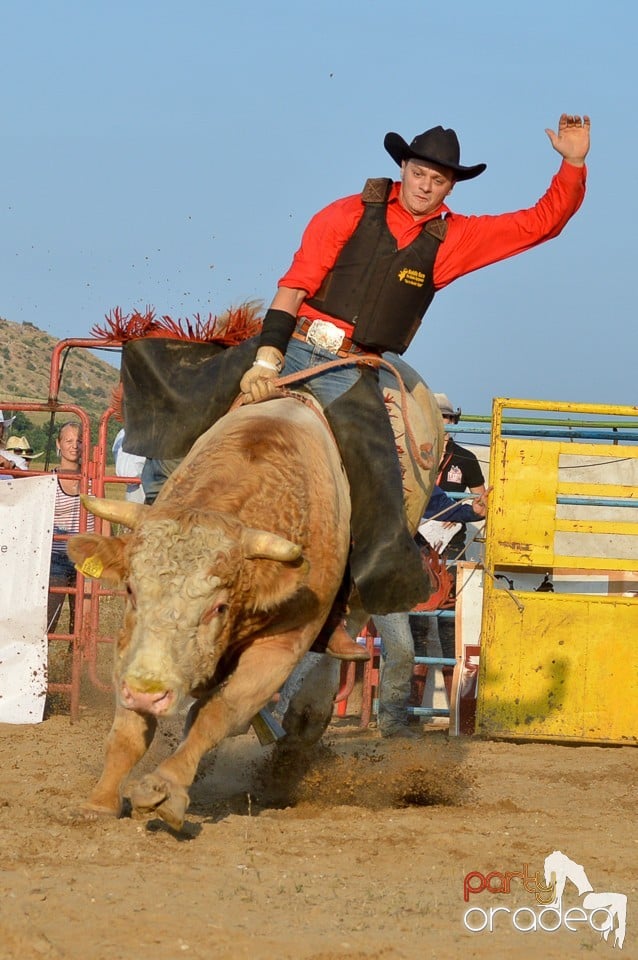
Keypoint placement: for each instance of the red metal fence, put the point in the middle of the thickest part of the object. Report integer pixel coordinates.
(84, 636)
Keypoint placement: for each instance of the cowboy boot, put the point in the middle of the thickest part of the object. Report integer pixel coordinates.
(341, 646)
(333, 638)
(385, 561)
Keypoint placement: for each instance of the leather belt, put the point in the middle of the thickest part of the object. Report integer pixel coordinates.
(346, 346)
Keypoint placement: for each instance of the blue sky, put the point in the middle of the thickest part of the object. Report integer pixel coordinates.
(171, 154)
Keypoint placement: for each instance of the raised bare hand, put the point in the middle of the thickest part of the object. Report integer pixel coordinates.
(572, 139)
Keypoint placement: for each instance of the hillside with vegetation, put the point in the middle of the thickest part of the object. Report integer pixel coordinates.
(25, 363)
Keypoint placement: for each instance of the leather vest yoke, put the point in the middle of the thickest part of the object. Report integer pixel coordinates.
(383, 291)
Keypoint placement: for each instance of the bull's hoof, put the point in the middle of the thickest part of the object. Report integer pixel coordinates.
(155, 796)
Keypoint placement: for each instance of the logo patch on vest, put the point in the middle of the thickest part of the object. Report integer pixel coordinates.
(415, 278)
(454, 475)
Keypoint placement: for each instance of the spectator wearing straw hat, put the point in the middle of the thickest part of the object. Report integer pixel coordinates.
(22, 448)
(9, 460)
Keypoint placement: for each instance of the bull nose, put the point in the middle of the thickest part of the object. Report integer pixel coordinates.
(157, 702)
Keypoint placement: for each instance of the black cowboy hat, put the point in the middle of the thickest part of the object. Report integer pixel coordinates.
(436, 146)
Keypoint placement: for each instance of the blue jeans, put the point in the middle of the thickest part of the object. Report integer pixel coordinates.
(397, 663)
(62, 571)
(62, 574)
(327, 386)
(385, 562)
(155, 473)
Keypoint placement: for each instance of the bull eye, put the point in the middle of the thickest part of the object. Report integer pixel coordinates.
(214, 611)
(131, 596)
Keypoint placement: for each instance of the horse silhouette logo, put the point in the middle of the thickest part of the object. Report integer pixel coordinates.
(559, 869)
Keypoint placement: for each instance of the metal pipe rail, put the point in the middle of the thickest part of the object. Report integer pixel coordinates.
(578, 433)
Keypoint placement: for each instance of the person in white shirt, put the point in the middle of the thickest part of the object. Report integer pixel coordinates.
(128, 465)
(8, 460)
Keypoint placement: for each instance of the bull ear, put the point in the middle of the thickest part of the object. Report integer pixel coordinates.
(125, 512)
(101, 558)
(264, 545)
(277, 586)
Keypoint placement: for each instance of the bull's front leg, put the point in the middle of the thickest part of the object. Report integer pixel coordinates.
(129, 738)
(260, 672)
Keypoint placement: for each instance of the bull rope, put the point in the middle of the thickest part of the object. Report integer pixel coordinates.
(367, 359)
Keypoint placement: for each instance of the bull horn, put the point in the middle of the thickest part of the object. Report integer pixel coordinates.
(125, 512)
(262, 544)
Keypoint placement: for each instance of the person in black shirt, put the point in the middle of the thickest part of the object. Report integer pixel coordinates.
(459, 471)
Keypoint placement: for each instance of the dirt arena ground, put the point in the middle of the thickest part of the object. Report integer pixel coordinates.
(359, 853)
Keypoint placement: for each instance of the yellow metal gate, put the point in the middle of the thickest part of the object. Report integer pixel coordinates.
(563, 514)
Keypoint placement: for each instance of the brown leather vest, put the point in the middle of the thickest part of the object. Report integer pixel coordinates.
(382, 291)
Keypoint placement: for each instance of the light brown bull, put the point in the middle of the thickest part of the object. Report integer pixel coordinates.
(230, 576)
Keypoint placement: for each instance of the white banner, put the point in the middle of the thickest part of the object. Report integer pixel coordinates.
(26, 531)
(468, 617)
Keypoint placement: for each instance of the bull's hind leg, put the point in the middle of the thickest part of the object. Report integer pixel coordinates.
(260, 672)
(306, 701)
(129, 738)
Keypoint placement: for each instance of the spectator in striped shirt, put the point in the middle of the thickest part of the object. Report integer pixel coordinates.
(66, 521)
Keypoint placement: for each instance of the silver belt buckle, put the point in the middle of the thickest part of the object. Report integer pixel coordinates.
(322, 333)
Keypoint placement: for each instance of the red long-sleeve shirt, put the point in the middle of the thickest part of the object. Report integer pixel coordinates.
(470, 243)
